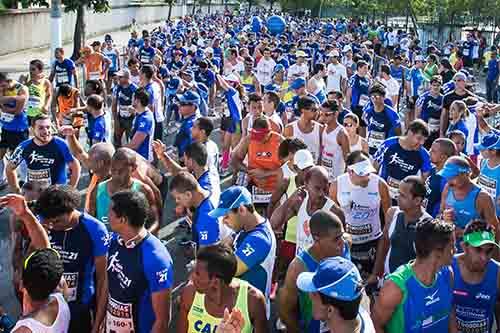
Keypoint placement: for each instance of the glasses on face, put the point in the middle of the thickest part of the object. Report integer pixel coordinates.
(376, 96)
(348, 125)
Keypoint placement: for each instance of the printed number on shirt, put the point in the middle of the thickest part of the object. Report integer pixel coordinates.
(72, 283)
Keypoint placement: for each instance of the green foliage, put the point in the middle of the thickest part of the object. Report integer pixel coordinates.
(98, 6)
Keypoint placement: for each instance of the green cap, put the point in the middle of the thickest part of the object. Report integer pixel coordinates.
(480, 238)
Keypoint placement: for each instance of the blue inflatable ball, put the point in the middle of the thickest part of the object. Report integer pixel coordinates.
(256, 24)
(276, 25)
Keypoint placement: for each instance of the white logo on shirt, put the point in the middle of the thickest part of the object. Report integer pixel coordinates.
(162, 275)
(106, 239)
(483, 296)
(431, 299)
(115, 267)
(248, 250)
(34, 157)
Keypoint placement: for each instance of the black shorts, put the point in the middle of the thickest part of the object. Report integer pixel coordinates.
(358, 111)
(125, 124)
(229, 125)
(10, 139)
(363, 256)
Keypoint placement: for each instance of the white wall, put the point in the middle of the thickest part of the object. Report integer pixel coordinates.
(30, 28)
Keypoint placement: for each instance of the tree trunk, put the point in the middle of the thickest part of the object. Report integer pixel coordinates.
(209, 6)
(194, 8)
(170, 5)
(271, 5)
(79, 35)
(249, 5)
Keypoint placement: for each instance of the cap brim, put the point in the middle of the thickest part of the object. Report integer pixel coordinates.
(218, 212)
(448, 174)
(305, 282)
(480, 147)
(483, 242)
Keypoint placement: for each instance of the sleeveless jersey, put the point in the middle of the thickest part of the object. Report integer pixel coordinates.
(36, 99)
(475, 303)
(402, 241)
(199, 320)
(304, 237)
(247, 82)
(332, 157)
(310, 139)
(103, 199)
(65, 104)
(465, 210)
(264, 155)
(60, 325)
(291, 226)
(361, 206)
(423, 309)
(489, 181)
(113, 57)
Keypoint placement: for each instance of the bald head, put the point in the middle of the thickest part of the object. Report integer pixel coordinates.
(125, 155)
(102, 152)
(317, 172)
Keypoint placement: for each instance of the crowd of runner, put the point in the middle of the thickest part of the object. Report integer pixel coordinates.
(364, 170)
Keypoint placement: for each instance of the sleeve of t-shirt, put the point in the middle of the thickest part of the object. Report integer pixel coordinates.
(99, 131)
(253, 250)
(99, 235)
(158, 268)
(352, 81)
(144, 125)
(380, 153)
(207, 231)
(70, 65)
(426, 159)
(420, 102)
(17, 156)
(210, 78)
(63, 147)
(394, 118)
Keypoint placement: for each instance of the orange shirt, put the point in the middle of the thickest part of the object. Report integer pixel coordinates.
(66, 103)
(94, 65)
(264, 155)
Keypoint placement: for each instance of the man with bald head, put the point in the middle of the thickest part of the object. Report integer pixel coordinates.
(304, 202)
(98, 161)
(462, 200)
(441, 150)
(122, 168)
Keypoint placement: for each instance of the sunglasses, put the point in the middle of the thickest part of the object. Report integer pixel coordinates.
(348, 125)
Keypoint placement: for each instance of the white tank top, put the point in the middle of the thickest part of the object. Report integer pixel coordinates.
(319, 85)
(357, 145)
(304, 237)
(60, 325)
(332, 157)
(361, 207)
(310, 139)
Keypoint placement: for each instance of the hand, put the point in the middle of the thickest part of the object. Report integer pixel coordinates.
(159, 148)
(16, 203)
(45, 109)
(372, 279)
(67, 130)
(232, 322)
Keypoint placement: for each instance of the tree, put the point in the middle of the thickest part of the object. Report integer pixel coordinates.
(170, 4)
(80, 6)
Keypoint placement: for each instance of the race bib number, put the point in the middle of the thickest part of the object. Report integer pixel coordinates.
(489, 185)
(94, 76)
(304, 239)
(327, 162)
(125, 111)
(375, 139)
(433, 125)
(72, 282)
(41, 177)
(62, 77)
(363, 100)
(7, 117)
(119, 317)
(33, 102)
(145, 59)
(393, 187)
(260, 196)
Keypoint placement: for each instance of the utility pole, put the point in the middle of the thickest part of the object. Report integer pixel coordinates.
(55, 27)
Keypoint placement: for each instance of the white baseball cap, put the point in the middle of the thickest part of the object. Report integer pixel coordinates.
(303, 159)
(362, 168)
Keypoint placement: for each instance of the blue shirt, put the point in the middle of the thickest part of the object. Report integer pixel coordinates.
(183, 138)
(431, 107)
(205, 228)
(489, 181)
(492, 70)
(464, 210)
(256, 248)
(146, 55)
(396, 163)
(145, 123)
(475, 303)
(434, 185)
(416, 79)
(97, 133)
(134, 275)
(380, 125)
(207, 77)
(359, 87)
(78, 248)
(46, 164)
(124, 97)
(64, 72)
